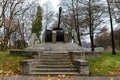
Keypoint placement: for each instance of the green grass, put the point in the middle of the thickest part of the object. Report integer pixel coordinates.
(107, 64)
(9, 64)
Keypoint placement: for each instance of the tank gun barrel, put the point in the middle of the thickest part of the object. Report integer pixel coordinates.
(60, 10)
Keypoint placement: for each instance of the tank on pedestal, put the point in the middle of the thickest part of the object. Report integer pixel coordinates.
(57, 34)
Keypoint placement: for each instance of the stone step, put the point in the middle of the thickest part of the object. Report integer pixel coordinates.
(55, 60)
(55, 66)
(54, 70)
(55, 63)
(55, 73)
(56, 52)
(61, 54)
(55, 57)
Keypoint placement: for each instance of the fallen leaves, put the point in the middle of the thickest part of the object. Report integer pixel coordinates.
(55, 77)
(10, 72)
(1, 72)
(117, 71)
(111, 78)
(96, 69)
(7, 73)
(61, 76)
(110, 72)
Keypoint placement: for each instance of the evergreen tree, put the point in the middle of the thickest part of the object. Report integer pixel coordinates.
(37, 23)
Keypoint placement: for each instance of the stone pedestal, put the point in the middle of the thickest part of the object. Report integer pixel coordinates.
(26, 66)
(33, 39)
(53, 36)
(66, 36)
(82, 66)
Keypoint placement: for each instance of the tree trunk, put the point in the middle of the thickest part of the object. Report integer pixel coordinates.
(92, 40)
(78, 35)
(5, 44)
(6, 38)
(22, 35)
(77, 21)
(112, 34)
(91, 27)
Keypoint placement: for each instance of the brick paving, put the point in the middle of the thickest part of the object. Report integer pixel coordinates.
(55, 78)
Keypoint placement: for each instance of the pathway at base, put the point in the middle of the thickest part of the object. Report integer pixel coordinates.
(54, 78)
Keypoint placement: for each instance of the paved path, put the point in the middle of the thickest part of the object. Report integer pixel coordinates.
(47, 78)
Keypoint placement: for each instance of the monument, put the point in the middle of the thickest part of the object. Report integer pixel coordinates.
(56, 55)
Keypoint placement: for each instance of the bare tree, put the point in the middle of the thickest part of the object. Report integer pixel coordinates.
(87, 13)
(72, 16)
(93, 19)
(117, 10)
(48, 15)
(111, 24)
(26, 20)
(102, 39)
(12, 11)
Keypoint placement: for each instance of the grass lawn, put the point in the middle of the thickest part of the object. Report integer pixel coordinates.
(107, 64)
(9, 65)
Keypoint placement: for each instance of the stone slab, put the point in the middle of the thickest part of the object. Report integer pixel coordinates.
(59, 46)
(82, 62)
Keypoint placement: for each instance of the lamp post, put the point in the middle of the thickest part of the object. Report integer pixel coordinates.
(111, 23)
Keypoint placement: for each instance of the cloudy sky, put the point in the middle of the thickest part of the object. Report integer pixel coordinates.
(54, 3)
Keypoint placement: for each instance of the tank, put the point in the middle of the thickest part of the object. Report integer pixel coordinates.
(58, 29)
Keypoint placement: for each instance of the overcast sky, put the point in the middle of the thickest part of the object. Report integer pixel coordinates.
(54, 3)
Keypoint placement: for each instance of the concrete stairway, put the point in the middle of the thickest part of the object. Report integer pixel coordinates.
(55, 64)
